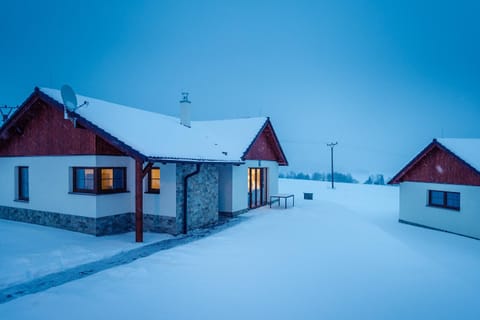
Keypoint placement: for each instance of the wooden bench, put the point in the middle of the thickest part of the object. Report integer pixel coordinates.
(277, 197)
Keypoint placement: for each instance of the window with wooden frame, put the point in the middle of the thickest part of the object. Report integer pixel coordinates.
(154, 180)
(112, 179)
(444, 199)
(99, 180)
(23, 190)
(84, 180)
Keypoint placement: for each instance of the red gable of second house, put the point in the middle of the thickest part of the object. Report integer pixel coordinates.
(437, 164)
(266, 146)
(49, 133)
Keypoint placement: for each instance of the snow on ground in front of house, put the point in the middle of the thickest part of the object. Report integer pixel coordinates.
(28, 251)
(341, 256)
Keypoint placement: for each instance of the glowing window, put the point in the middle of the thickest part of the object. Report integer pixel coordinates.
(112, 179)
(99, 180)
(154, 180)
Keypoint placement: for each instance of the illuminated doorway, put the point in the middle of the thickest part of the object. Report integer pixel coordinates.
(257, 187)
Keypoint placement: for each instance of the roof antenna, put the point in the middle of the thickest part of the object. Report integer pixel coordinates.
(6, 111)
(184, 97)
(70, 104)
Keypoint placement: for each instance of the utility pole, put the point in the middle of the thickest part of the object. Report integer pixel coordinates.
(331, 145)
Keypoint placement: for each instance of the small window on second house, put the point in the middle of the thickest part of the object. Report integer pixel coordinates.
(154, 180)
(444, 199)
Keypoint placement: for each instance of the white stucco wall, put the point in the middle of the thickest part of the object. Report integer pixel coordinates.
(164, 203)
(272, 176)
(225, 188)
(50, 185)
(239, 188)
(117, 203)
(414, 208)
(233, 184)
(272, 171)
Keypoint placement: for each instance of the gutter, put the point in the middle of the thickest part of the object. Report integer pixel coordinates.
(194, 161)
(185, 188)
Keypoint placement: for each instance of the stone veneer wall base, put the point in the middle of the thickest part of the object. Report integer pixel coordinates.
(50, 219)
(160, 224)
(119, 223)
(232, 214)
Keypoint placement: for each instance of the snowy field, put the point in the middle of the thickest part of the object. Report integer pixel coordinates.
(28, 251)
(341, 256)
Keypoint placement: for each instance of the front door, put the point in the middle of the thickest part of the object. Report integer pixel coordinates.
(257, 187)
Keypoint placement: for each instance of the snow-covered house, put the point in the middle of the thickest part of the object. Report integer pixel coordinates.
(109, 168)
(440, 187)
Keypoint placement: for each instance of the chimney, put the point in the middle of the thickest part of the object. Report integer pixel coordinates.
(185, 110)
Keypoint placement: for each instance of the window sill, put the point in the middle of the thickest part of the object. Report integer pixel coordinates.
(97, 194)
(22, 200)
(443, 207)
(152, 192)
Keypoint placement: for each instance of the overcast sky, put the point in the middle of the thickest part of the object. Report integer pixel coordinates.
(382, 79)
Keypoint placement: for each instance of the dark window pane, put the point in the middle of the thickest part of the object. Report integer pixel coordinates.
(85, 178)
(450, 200)
(118, 178)
(453, 200)
(436, 198)
(23, 193)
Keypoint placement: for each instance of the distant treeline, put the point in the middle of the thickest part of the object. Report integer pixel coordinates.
(338, 177)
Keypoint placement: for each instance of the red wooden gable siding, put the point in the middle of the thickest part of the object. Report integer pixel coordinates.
(42, 131)
(266, 147)
(438, 165)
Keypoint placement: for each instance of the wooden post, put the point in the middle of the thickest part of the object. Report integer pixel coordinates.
(139, 200)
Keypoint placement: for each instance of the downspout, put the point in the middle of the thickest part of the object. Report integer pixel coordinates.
(185, 193)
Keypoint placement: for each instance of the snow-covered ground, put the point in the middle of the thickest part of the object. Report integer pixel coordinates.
(341, 256)
(28, 251)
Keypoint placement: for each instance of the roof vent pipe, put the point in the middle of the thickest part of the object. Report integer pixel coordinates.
(185, 110)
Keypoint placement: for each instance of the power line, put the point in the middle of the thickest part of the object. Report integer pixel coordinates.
(352, 147)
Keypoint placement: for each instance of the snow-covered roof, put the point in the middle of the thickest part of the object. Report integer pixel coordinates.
(466, 149)
(162, 137)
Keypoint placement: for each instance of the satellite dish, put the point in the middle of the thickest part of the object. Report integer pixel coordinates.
(70, 104)
(69, 98)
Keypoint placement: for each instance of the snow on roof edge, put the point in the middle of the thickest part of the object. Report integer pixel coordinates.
(219, 141)
(467, 149)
